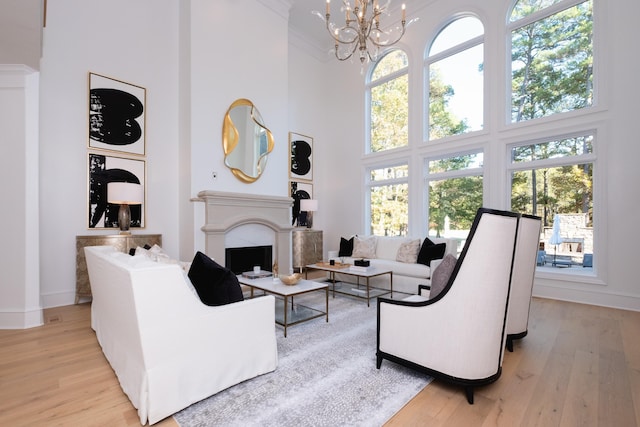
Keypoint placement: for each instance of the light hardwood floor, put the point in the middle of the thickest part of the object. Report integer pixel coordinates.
(579, 365)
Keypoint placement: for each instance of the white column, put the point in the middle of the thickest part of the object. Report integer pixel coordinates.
(20, 305)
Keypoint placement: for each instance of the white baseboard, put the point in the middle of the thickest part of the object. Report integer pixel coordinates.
(593, 296)
(21, 319)
(58, 299)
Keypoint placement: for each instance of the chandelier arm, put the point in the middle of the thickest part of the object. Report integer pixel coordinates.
(340, 30)
(366, 19)
(353, 50)
(388, 43)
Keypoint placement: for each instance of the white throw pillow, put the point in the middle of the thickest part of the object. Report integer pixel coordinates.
(408, 252)
(364, 247)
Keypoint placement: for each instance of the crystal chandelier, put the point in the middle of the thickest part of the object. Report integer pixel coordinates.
(361, 30)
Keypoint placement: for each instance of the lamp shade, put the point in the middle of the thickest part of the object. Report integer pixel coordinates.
(308, 205)
(125, 193)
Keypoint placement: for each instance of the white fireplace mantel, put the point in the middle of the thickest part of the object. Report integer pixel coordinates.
(225, 211)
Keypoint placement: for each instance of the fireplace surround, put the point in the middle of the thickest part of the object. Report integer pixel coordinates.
(225, 211)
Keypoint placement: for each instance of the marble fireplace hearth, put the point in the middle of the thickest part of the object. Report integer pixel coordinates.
(225, 212)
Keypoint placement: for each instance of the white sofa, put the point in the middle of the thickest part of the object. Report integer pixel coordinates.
(406, 276)
(167, 348)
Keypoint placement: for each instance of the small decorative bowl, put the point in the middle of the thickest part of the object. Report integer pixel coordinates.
(291, 279)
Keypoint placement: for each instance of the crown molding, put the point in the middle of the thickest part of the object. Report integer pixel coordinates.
(280, 7)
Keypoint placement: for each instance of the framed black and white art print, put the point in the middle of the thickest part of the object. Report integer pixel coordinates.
(104, 169)
(301, 159)
(299, 191)
(116, 115)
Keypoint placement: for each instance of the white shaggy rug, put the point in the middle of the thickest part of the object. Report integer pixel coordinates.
(326, 376)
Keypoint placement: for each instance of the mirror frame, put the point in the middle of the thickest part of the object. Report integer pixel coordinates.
(231, 137)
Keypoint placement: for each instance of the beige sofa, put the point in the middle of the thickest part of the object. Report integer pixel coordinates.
(167, 348)
(406, 275)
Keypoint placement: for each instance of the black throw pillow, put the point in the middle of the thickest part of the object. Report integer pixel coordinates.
(215, 284)
(430, 251)
(346, 247)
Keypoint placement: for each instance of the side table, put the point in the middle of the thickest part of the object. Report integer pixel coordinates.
(306, 247)
(122, 242)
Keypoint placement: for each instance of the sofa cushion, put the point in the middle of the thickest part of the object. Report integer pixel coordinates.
(408, 252)
(441, 275)
(215, 284)
(346, 247)
(402, 269)
(430, 251)
(387, 246)
(364, 247)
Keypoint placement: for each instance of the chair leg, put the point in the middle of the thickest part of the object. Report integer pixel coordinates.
(378, 361)
(510, 344)
(469, 393)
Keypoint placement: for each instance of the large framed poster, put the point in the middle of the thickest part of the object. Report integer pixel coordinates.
(116, 115)
(301, 158)
(103, 169)
(298, 191)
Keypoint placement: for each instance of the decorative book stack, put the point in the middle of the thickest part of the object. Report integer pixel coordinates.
(361, 265)
(258, 275)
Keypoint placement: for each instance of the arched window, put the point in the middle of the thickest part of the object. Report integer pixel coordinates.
(388, 92)
(551, 57)
(455, 79)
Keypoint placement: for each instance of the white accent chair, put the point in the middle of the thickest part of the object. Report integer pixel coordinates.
(167, 348)
(524, 270)
(459, 335)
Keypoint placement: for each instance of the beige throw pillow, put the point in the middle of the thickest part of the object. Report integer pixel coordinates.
(364, 247)
(408, 252)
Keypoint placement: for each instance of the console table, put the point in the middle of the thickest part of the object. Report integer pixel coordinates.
(122, 242)
(306, 247)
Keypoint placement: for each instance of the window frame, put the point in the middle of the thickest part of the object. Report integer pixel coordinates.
(548, 11)
(444, 54)
(568, 274)
(369, 184)
(370, 84)
(452, 174)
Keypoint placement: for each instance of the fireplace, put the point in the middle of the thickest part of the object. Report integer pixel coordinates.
(247, 215)
(240, 260)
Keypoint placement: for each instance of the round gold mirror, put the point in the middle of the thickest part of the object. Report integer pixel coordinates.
(245, 140)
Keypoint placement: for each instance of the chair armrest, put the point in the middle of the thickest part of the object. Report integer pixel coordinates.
(421, 287)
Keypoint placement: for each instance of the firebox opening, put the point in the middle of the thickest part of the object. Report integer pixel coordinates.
(240, 260)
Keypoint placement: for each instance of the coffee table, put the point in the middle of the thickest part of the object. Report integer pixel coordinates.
(367, 293)
(288, 313)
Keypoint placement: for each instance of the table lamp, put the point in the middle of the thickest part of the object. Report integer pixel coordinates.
(124, 194)
(309, 206)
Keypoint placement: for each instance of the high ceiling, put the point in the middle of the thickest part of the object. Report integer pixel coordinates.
(21, 27)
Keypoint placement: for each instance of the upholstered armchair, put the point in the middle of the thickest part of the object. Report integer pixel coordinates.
(524, 270)
(458, 335)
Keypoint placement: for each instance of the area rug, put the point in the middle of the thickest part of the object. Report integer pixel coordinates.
(326, 376)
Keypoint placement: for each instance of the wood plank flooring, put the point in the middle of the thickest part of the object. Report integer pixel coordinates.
(579, 365)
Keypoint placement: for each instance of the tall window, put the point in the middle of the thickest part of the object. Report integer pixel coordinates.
(555, 178)
(455, 86)
(389, 200)
(388, 89)
(551, 57)
(454, 186)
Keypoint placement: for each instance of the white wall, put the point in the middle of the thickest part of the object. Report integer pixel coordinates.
(131, 41)
(615, 283)
(236, 52)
